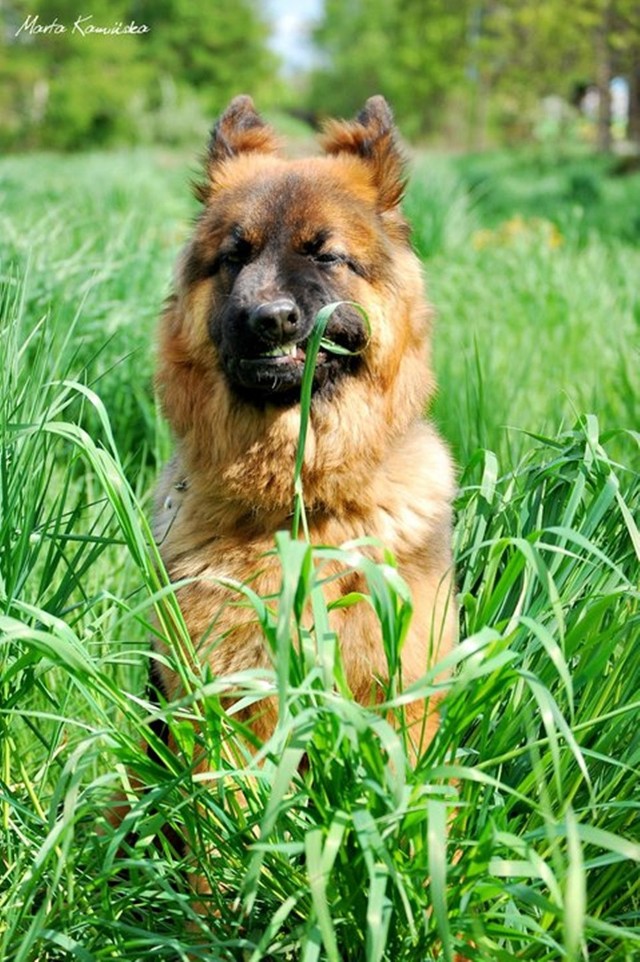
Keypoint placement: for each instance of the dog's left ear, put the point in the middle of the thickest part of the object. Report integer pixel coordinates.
(240, 129)
(372, 136)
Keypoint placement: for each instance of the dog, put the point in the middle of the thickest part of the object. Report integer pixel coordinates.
(275, 241)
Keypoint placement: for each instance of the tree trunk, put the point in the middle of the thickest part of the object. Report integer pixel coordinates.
(633, 128)
(603, 79)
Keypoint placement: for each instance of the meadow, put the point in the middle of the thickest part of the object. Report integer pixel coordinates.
(517, 834)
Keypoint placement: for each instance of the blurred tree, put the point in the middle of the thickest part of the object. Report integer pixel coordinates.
(530, 51)
(71, 89)
(68, 89)
(533, 50)
(412, 51)
(602, 33)
(426, 55)
(217, 49)
(634, 95)
(628, 34)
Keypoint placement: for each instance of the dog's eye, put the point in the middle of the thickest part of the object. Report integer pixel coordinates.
(233, 259)
(329, 257)
(237, 256)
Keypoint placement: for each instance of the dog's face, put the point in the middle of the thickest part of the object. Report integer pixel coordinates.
(276, 241)
(275, 258)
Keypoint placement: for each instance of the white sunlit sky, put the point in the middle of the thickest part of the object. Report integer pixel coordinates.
(291, 21)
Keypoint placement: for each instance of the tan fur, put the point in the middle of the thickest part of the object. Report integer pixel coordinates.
(372, 466)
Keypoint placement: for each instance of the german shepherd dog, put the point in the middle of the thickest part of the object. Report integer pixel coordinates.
(275, 241)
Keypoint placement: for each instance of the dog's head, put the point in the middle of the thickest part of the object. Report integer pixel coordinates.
(278, 239)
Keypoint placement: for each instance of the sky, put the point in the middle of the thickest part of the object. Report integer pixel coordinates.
(291, 20)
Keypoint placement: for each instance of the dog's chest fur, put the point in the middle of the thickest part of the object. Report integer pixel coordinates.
(208, 543)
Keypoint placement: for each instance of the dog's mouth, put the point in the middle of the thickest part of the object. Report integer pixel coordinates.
(265, 369)
(275, 375)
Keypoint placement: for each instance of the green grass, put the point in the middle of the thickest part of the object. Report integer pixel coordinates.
(537, 298)
(535, 768)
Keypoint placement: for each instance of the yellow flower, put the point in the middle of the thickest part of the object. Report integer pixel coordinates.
(517, 230)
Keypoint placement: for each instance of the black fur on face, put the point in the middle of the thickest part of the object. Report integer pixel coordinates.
(275, 263)
(262, 332)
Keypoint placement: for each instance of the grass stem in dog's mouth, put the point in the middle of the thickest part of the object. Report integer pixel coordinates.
(277, 374)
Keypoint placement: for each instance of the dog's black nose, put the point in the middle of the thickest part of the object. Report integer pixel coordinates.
(276, 321)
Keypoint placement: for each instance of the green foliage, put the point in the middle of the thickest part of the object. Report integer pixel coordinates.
(465, 71)
(540, 50)
(411, 51)
(75, 90)
(81, 85)
(581, 193)
(217, 49)
(515, 835)
(537, 305)
(475, 72)
(80, 243)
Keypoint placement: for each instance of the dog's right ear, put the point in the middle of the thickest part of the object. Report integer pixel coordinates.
(240, 129)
